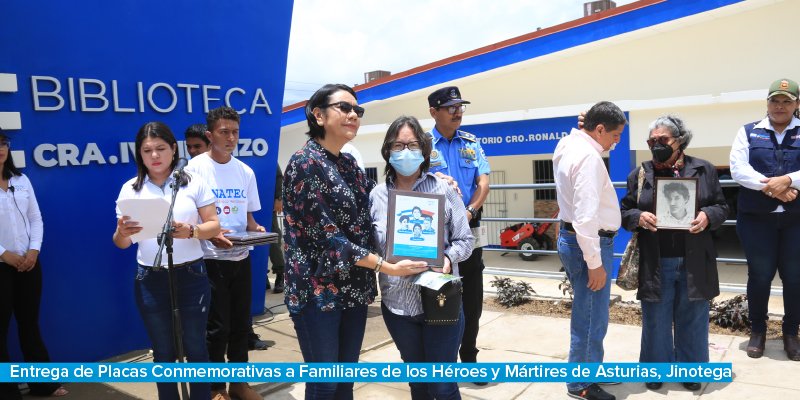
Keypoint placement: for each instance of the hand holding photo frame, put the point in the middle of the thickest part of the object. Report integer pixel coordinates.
(415, 227)
(675, 202)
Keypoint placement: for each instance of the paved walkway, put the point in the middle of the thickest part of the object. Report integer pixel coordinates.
(504, 337)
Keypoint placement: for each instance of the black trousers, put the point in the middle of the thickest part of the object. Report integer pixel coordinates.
(471, 272)
(229, 315)
(276, 250)
(20, 295)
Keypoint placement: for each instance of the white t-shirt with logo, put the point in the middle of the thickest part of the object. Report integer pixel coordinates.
(194, 195)
(234, 186)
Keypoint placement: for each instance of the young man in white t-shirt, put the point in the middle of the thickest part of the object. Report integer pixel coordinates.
(229, 271)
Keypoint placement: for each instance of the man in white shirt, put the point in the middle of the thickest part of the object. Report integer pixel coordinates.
(589, 210)
(229, 271)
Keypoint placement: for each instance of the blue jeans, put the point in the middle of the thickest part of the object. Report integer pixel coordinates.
(152, 298)
(690, 320)
(330, 337)
(419, 342)
(589, 321)
(770, 244)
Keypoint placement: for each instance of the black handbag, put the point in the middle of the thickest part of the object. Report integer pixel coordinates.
(443, 306)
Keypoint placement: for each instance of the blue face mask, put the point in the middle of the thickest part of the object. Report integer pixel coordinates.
(406, 162)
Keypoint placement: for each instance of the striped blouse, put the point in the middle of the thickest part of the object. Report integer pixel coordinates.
(398, 293)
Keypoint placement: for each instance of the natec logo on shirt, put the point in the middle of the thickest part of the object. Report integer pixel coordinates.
(229, 193)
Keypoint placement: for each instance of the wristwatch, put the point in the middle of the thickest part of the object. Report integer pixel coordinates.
(472, 211)
(195, 232)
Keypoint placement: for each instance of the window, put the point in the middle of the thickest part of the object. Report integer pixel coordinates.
(543, 173)
(372, 173)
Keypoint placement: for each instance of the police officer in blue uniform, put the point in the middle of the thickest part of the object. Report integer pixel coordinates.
(765, 160)
(459, 154)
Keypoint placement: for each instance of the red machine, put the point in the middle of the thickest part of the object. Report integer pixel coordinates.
(527, 236)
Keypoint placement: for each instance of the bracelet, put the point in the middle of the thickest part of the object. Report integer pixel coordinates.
(195, 232)
(471, 210)
(379, 264)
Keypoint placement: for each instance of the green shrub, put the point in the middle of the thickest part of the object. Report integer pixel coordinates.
(731, 313)
(512, 293)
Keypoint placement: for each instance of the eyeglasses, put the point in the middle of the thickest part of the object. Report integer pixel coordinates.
(346, 108)
(5, 143)
(452, 109)
(665, 140)
(398, 146)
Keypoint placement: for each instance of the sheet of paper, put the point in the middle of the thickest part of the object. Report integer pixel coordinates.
(434, 280)
(150, 214)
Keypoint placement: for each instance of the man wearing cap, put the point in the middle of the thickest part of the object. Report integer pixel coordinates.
(765, 161)
(590, 215)
(459, 154)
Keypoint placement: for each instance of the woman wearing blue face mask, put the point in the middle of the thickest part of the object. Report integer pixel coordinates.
(407, 151)
(328, 235)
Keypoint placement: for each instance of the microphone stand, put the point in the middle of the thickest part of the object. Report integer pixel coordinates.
(165, 240)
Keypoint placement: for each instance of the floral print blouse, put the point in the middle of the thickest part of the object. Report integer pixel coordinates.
(327, 229)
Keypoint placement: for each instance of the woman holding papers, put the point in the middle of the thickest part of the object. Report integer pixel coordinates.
(194, 218)
(407, 149)
(20, 273)
(328, 239)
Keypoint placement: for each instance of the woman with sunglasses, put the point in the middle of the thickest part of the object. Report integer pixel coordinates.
(407, 151)
(677, 267)
(765, 161)
(194, 218)
(20, 273)
(331, 265)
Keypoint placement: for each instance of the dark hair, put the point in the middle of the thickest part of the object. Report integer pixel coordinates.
(9, 169)
(675, 187)
(425, 144)
(221, 113)
(320, 98)
(154, 130)
(197, 131)
(605, 113)
(417, 226)
(676, 128)
(417, 208)
(404, 218)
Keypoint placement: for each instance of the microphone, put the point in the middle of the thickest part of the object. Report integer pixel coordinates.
(178, 173)
(11, 188)
(182, 163)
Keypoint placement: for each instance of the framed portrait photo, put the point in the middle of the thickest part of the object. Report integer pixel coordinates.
(675, 202)
(415, 227)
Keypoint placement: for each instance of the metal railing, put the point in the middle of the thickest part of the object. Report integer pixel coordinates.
(728, 287)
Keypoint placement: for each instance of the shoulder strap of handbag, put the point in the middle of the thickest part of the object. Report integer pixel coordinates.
(641, 183)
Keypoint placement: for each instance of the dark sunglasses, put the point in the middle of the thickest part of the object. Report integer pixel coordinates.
(346, 108)
(665, 140)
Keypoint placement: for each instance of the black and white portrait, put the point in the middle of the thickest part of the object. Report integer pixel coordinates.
(676, 202)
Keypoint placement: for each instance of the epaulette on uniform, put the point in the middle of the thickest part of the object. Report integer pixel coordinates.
(468, 136)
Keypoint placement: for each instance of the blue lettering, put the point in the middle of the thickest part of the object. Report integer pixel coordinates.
(229, 193)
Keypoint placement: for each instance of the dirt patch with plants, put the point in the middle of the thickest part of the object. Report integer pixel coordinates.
(726, 318)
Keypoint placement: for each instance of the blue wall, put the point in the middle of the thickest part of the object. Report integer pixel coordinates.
(134, 61)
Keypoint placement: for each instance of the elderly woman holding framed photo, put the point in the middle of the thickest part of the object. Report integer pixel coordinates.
(677, 269)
